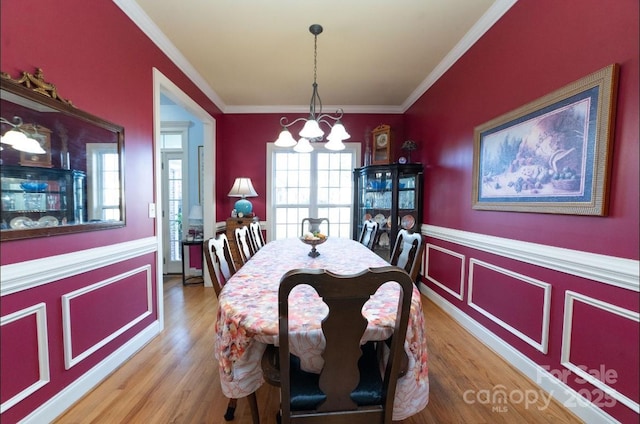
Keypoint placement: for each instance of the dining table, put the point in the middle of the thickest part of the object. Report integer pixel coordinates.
(247, 318)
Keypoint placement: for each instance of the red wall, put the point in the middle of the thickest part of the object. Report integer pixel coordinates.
(537, 47)
(241, 134)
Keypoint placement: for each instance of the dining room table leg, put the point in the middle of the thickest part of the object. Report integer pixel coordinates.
(231, 409)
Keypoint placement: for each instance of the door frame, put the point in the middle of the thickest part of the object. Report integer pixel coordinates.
(163, 85)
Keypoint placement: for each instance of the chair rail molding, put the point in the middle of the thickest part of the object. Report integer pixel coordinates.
(25, 275)
(611, 270)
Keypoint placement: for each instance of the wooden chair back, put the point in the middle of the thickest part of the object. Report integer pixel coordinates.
(243, 241)
(369, 233)
(407, 252)
(315, 224)
(328, 397)
(217, 254)
(257, 240)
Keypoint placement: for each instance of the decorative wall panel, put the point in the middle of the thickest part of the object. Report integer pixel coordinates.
(612, 371)
(445, 269)
(95, 315)
(26, 360)
(517, 303)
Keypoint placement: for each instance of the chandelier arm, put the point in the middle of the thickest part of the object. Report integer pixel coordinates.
(338, 115)
(284, 121)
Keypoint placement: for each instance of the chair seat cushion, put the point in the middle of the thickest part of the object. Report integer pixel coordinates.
(306, 393)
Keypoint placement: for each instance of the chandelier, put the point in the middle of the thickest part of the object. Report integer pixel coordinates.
(19, 138)
(311, 131)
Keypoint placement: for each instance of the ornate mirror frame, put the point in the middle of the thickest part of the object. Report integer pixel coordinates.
(77, 184)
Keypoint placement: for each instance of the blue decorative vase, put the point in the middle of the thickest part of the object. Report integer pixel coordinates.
(244, 206)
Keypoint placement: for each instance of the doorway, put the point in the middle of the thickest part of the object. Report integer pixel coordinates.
(163, 87)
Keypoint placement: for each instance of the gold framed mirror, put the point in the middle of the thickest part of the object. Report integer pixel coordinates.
(61, 168)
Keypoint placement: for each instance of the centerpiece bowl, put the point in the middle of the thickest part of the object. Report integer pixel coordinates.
(313, 242)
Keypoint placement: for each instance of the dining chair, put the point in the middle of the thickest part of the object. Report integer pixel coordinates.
(257, 240)
(315, 224)
(407, 252)
(217, 254)
(221, 269)
(243, 241)
(350, 387)
(369, 233)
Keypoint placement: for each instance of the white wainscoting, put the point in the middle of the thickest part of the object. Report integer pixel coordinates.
(67, 318)
(459, 294)
(40, 311)
(543, 343)
(614, 271)
(570, 298)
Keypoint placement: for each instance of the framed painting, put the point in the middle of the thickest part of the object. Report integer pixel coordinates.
(552, 155)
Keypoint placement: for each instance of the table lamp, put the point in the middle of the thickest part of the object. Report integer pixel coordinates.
(243, 188)
(195, 222)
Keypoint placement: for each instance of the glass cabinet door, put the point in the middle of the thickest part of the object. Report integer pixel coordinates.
(408, 186)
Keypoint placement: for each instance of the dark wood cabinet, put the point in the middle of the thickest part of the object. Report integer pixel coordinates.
(390, 195)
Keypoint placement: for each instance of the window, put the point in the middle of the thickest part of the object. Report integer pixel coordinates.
(103, 186)
(317, 184)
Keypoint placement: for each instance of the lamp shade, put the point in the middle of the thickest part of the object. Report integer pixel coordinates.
(311, 129)
(242, 188)
(285, 139)
(195, 213)
(303, 146)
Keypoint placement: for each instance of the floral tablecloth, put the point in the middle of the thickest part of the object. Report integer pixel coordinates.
(248, 318)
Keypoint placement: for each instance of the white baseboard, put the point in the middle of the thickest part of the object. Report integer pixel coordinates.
(561, 392)
(55, 406)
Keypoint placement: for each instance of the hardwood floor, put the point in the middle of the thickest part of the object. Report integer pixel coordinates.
(174, 379)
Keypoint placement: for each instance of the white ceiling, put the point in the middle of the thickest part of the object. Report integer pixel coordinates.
(256, 56)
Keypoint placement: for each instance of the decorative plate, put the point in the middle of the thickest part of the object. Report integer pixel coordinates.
(367, 216)
(380, 219)
(389, 221)
(407, 222)
(48, 221)
(21, 222)
(384, 239)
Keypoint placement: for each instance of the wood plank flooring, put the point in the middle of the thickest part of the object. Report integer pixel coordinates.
(174, 379)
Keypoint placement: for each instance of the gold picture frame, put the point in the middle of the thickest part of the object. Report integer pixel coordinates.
(552, 155)
(43, 136)
(381, 141)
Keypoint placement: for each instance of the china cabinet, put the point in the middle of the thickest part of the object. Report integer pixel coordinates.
(390, 195)
(39, 199)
